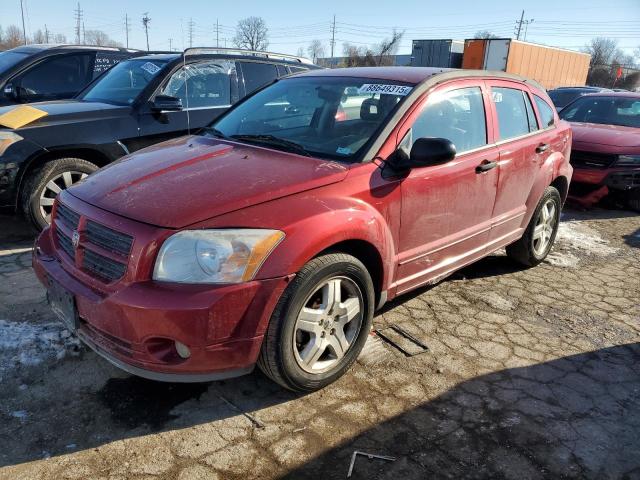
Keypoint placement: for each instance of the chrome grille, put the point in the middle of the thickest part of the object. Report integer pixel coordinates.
(65, 243)
(592, 160)
(68, 216)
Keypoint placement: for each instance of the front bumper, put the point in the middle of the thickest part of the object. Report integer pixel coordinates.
(135, 325)
(613, 178)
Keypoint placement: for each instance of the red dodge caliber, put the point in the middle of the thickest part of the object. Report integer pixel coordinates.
(272, 236)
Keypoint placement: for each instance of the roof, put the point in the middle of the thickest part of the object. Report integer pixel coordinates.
(39, 47)
(614, 94)
(158, 56)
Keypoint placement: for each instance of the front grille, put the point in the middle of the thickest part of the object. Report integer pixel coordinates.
(592, 160)
(98, 245)
(624, 180)
(65, 243)
(108, 239)
(68, 216)
(103, 267)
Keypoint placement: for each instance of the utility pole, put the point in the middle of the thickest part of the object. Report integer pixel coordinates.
(78, 18)
(126, 28)
(170, 40)
(191, 25)
(333, 34)
(24, 30)
(145, 22)
(84, 34)
(519, 23)
(217, 34)
(46, 34)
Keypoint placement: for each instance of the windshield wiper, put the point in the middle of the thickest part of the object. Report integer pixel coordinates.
(275, 142)
(215, 132)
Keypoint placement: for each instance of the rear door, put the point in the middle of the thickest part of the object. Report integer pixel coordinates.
(521, 143)
(446, 209)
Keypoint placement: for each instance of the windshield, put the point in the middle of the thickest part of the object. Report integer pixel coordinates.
(327, 117)
(124, 82)
(9, 59)
(624, 111)
(560, 98)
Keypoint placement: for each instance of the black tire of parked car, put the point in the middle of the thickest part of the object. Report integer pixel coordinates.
(633, 199)
(522, 250)
(277, 358)
(37, 181)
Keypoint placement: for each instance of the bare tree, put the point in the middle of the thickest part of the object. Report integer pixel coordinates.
(38, 37)
(357, 56)
(315, 50)
(100, 39)
(13, 37)
(300, 52)
(251, 33)
(388, 47)
(59, 38)
(484, 34)
(602, 50)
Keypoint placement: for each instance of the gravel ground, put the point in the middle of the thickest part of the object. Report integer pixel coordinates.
(529, 374)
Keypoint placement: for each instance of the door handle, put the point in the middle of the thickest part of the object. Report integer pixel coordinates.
(542, 148)
(485, 166)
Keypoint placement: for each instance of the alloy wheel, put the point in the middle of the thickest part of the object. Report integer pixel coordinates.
(53, 187)
(328, 324)
(545, 225)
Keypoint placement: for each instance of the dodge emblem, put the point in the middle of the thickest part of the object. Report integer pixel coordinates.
(75, 239)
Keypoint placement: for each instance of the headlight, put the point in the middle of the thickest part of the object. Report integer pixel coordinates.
(214, 256)
(7, 139)
(628, 161)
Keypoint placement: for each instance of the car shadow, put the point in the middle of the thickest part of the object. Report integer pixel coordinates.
(633, 239)
(573, 417)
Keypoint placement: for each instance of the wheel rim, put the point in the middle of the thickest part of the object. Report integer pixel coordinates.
(53, 187)
(545, 226)
(328, 324)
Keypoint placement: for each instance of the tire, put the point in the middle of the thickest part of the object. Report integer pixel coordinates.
(63, 172)
(633, 199)
(528, 250)
(287, 354)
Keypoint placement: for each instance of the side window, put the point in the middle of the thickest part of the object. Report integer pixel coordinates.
(546, 112)
(59, 77)
(282, 70)
(104, 61)
(298, 69)
(531, 116)
(457, 115)
(257, 74)
(204, 84)
(512, 113)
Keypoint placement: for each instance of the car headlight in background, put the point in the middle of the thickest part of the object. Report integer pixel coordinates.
(215, 256)
(7, 139)
(628, 161)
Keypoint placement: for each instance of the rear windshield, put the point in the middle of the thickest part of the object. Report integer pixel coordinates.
(123, 83)
(327, 117)
(604, 110)
(561, 98)
(9, 59)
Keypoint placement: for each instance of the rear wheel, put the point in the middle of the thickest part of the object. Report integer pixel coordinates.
(46, 182)
(538, 238)
(320, 324)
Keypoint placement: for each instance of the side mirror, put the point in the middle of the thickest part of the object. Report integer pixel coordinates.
(425, 152)
(10, 91)
(166, 103)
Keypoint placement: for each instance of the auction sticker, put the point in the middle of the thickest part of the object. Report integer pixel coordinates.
(151, 68)
(384, 89)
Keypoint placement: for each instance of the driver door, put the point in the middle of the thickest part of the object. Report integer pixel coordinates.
(447, 209)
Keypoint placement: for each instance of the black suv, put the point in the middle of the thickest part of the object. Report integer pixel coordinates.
(35, 73)
(137, 103)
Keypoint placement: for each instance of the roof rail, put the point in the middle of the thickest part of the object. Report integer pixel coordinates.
(241, 51)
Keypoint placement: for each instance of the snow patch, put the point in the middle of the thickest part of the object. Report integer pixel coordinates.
(27, 344)
(581, 238)
(566, 260)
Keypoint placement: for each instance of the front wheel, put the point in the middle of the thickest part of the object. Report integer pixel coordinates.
(537, 240)
(45, 183)
(320, 324)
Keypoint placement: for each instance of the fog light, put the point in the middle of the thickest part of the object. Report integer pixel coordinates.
(182, 350)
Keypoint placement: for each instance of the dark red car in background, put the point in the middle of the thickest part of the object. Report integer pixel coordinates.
(606, 147)
(272, 236)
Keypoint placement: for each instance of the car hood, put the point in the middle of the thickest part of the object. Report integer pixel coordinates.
(613, 135)
(191, 179)
(68, 111)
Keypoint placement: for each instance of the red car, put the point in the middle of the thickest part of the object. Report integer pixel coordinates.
(606, 147)
(272, 236)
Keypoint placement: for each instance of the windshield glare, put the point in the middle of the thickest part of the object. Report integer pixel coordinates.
(9, 59)
(123, 83)
(328, 117)
(604, 110)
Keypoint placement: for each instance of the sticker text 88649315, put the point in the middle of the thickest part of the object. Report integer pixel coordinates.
(384, 89)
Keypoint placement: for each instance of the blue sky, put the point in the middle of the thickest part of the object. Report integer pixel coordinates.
(293, 24)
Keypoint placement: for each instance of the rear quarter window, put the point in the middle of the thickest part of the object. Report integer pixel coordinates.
(546, 112)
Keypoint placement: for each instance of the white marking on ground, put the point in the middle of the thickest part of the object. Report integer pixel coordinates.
(559, 259)
(581, 238)
(374, 351)
(27, 344)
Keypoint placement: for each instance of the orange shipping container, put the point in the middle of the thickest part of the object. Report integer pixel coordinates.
(551, 67)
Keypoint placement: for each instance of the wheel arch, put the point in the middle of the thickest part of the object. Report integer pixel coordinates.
(561, 183)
